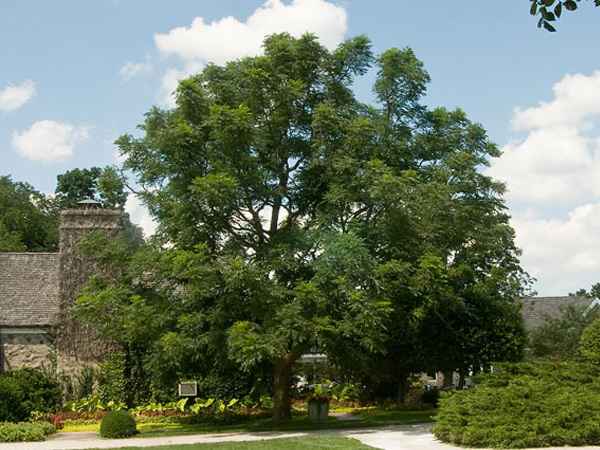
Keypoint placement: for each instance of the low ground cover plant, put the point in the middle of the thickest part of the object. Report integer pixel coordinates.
(540, 404)
(24, 432)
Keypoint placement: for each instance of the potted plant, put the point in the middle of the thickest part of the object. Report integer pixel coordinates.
(318, 404)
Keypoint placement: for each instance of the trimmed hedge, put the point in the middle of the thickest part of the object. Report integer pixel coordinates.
(25, 432)
(526, 405)
(118, 424)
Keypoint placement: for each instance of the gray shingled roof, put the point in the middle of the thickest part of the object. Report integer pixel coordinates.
(29, 284)
(535, 310)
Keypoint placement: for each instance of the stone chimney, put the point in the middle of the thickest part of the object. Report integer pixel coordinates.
(75, 342)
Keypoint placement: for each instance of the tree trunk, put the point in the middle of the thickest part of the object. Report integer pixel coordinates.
(283, 379)
(128, 376)
(402, 387)
(447, 378)
(462, 372)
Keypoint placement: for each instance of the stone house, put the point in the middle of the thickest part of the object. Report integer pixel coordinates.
(36, 291)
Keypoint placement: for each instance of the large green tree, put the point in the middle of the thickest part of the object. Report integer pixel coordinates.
(438, 228)
(28, 218)
(237, 176)
(105, 185)
(295, 218)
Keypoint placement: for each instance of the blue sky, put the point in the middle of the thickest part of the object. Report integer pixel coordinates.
(74, 75)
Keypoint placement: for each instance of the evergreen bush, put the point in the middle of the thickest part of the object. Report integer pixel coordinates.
(11, 405)
(118, 424)
(547, 404)
(37, 391)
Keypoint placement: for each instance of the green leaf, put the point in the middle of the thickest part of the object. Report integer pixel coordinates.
(549, 27)
(558, 9)
(533, 11)
(571, 5)
(548, 16)
(548, 2)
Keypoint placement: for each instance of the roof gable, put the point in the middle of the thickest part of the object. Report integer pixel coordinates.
(537, 310)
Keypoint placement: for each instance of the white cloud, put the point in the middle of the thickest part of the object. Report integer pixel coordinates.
(13, 97)
(228, 39)
(576, 97)
(48, 141)
(558, 162)
(131, 70)
(553, 180)
(140, 216)
(561, 253)
(555, 166)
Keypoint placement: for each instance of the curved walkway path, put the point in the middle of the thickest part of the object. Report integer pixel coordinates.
(405, 437)
(397, 437)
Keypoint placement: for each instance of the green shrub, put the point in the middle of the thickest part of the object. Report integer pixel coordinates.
(46, 427)
(85, 381)
(118, 424)
(37, 390)
(526, 405)
(110, 379)
(11, 405)
(25, 432)
(345, 392)
(133, 390)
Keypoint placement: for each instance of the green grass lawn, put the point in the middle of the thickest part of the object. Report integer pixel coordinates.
(308, 443)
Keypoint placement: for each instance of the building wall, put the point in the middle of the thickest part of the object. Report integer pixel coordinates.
(35, 328)
(27, 347)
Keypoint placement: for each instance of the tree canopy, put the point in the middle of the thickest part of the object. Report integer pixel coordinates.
(559, 337)
(293, 218)
(28, 218)
(105, 185)
(594, 292)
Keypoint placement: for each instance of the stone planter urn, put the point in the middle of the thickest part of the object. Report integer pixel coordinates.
(318, 409)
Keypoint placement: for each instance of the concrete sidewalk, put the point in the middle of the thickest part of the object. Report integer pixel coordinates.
(397, 437)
